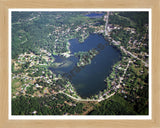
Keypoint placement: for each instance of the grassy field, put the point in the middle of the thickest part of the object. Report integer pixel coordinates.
(16, 83)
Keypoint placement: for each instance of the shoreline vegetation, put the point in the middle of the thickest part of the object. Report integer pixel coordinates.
(32, 78)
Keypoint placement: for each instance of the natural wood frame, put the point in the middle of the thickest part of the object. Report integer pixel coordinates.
(4, 56)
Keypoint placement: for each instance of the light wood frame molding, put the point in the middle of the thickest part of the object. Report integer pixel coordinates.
(5, 5)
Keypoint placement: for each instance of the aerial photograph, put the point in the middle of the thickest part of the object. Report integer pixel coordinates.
(79, 63)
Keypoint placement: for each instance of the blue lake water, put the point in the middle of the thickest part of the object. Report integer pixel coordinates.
(90, 80)
(95, 15)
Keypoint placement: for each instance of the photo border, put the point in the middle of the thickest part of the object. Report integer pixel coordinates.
(82, 117)
(4, 56)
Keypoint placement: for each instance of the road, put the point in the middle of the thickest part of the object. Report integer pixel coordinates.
(87, 100)
(125, 70)
(127, 52)
(146, 64)
(106, 24)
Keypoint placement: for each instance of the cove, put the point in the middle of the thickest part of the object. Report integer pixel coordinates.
(90, 80)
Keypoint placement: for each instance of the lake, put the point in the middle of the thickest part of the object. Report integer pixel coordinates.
(95, 15)
(90, 80)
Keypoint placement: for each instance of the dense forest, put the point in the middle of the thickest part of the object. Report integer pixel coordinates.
(48, 105)
(116, 105)
(140, 19)
(136, 20)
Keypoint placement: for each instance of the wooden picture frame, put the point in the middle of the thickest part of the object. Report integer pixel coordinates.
(4, 63)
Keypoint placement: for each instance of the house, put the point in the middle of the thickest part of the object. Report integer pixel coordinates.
(34, 112)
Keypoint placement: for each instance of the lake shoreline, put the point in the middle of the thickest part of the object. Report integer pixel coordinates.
(98, 38)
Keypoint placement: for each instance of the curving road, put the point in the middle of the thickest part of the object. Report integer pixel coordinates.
(87, 100)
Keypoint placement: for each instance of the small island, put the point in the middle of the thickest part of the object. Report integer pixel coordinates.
(85, 57)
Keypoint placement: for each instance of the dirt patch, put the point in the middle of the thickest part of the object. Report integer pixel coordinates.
(45, 90)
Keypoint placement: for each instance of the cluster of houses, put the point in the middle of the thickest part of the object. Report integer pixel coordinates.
(32, 81)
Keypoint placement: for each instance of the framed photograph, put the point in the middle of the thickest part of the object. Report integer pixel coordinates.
(81, 65)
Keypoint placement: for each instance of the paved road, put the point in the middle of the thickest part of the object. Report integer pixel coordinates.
(87, 100)
(106, 24)
(127, 52)
(125, 70)
(146, 64)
